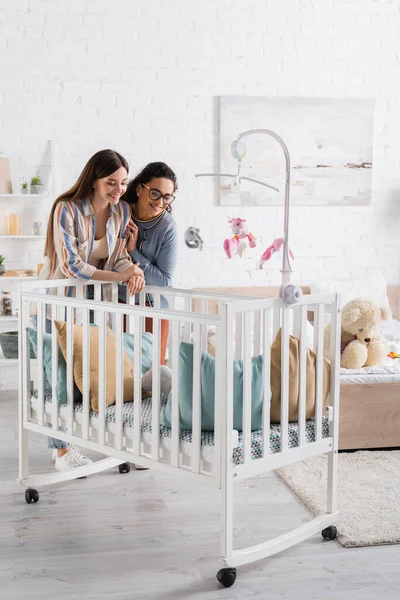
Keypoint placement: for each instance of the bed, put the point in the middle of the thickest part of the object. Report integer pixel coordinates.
(239, 442)
(369, 398)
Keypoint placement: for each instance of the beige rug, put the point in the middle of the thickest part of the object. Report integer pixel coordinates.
(368, 494)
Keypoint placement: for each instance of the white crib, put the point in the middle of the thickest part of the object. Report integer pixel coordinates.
(243, 327)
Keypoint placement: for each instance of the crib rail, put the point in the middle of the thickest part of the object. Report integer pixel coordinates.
(237, 331)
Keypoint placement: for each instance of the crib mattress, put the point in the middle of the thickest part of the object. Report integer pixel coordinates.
(207, 437)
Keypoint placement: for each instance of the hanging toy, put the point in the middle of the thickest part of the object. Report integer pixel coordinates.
(274, 247)
(237, 244)
(193, 239)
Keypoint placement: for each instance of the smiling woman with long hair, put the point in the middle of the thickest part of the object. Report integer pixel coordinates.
(86, 239)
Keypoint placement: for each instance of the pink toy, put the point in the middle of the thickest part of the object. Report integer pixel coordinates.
(274, 247)
(237, 243)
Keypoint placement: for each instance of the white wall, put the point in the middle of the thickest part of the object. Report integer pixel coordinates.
(143, 77)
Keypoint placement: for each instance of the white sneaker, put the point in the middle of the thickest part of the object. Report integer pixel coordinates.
(71, 460)
(85, 460)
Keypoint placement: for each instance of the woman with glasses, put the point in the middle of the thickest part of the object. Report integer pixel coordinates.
(152, 236)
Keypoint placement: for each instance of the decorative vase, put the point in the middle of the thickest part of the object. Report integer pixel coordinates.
(36, 189)
(24, 191)
(2, 270)
(14, 224)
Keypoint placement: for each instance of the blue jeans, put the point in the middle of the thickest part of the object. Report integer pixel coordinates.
(51, 442)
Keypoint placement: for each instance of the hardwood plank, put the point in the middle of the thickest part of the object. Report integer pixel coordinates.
(151, 536)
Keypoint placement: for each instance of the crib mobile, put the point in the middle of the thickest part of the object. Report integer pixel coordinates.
(289, 292)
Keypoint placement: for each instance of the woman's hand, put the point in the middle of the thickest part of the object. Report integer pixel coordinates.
(132, 236)
(135, 284)
(133, 271)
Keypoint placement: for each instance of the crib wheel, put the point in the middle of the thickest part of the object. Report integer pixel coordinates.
(227, 577)
(124, 468)
(329, 533)
(31, 496)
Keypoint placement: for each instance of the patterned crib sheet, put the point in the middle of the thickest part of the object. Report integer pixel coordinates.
(207, 437)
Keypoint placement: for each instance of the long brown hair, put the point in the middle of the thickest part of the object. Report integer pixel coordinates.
(102, 164)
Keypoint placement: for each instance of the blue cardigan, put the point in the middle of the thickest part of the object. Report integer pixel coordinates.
(156, 251)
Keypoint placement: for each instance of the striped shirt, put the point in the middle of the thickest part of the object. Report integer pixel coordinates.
(74, 229)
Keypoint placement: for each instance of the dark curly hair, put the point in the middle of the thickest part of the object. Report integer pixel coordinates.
(151, 171)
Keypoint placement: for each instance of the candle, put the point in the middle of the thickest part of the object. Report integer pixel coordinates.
(14, 224)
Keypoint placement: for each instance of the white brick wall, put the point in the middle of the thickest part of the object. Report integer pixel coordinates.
(143, 77)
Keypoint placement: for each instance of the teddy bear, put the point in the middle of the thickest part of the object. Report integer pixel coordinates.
(361, 342)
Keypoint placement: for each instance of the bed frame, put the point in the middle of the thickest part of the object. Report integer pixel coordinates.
(369, 413)
(261, 317)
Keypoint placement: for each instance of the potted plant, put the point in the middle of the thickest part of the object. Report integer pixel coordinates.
(36, 185)
(2, 267)
(24, 188)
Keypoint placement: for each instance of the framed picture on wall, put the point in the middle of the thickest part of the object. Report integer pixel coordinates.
(330, 141)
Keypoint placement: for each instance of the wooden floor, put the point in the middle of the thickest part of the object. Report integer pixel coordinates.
(148, 536)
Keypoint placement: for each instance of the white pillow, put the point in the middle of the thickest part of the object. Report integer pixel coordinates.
(372, 288)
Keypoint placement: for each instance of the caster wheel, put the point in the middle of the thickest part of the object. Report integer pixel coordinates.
(124, 468)
(226, 577)
(31, 496)
(329, 533)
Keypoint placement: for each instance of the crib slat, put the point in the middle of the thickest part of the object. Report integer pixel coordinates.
(97, 298)
(187, 326)
(171, 306)
(203, 328)
(54, 371)
(285, 380)
(219, 389)
(119, 381)
(266, 408)
(26, 365)
(276, 322)
(79, 295)
(131, 302)
(155, 401)
(196, 408)
(114, 300)
(86, 374)
(239, 337)
(302, 334)
(175, 431)
(257, 333)
(247, 372)
(40, 364)
(137, 379)
(70, 369)
(319, 326)
(102, 376)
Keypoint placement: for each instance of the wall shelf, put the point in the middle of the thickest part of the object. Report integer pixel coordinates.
(12, 318)
(22, 196)
(4, 278)
(23, 237)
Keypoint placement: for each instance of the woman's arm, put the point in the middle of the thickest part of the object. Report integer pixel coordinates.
(66, 247)
(161, 272)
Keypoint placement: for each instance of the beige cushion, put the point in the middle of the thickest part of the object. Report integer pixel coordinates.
(294, 379)
(111, 344)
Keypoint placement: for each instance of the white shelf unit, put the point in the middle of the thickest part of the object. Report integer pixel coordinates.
(23, 237)
(14, 247)
(22, 196)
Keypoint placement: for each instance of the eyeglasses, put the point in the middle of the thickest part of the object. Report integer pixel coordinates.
(156, 195)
